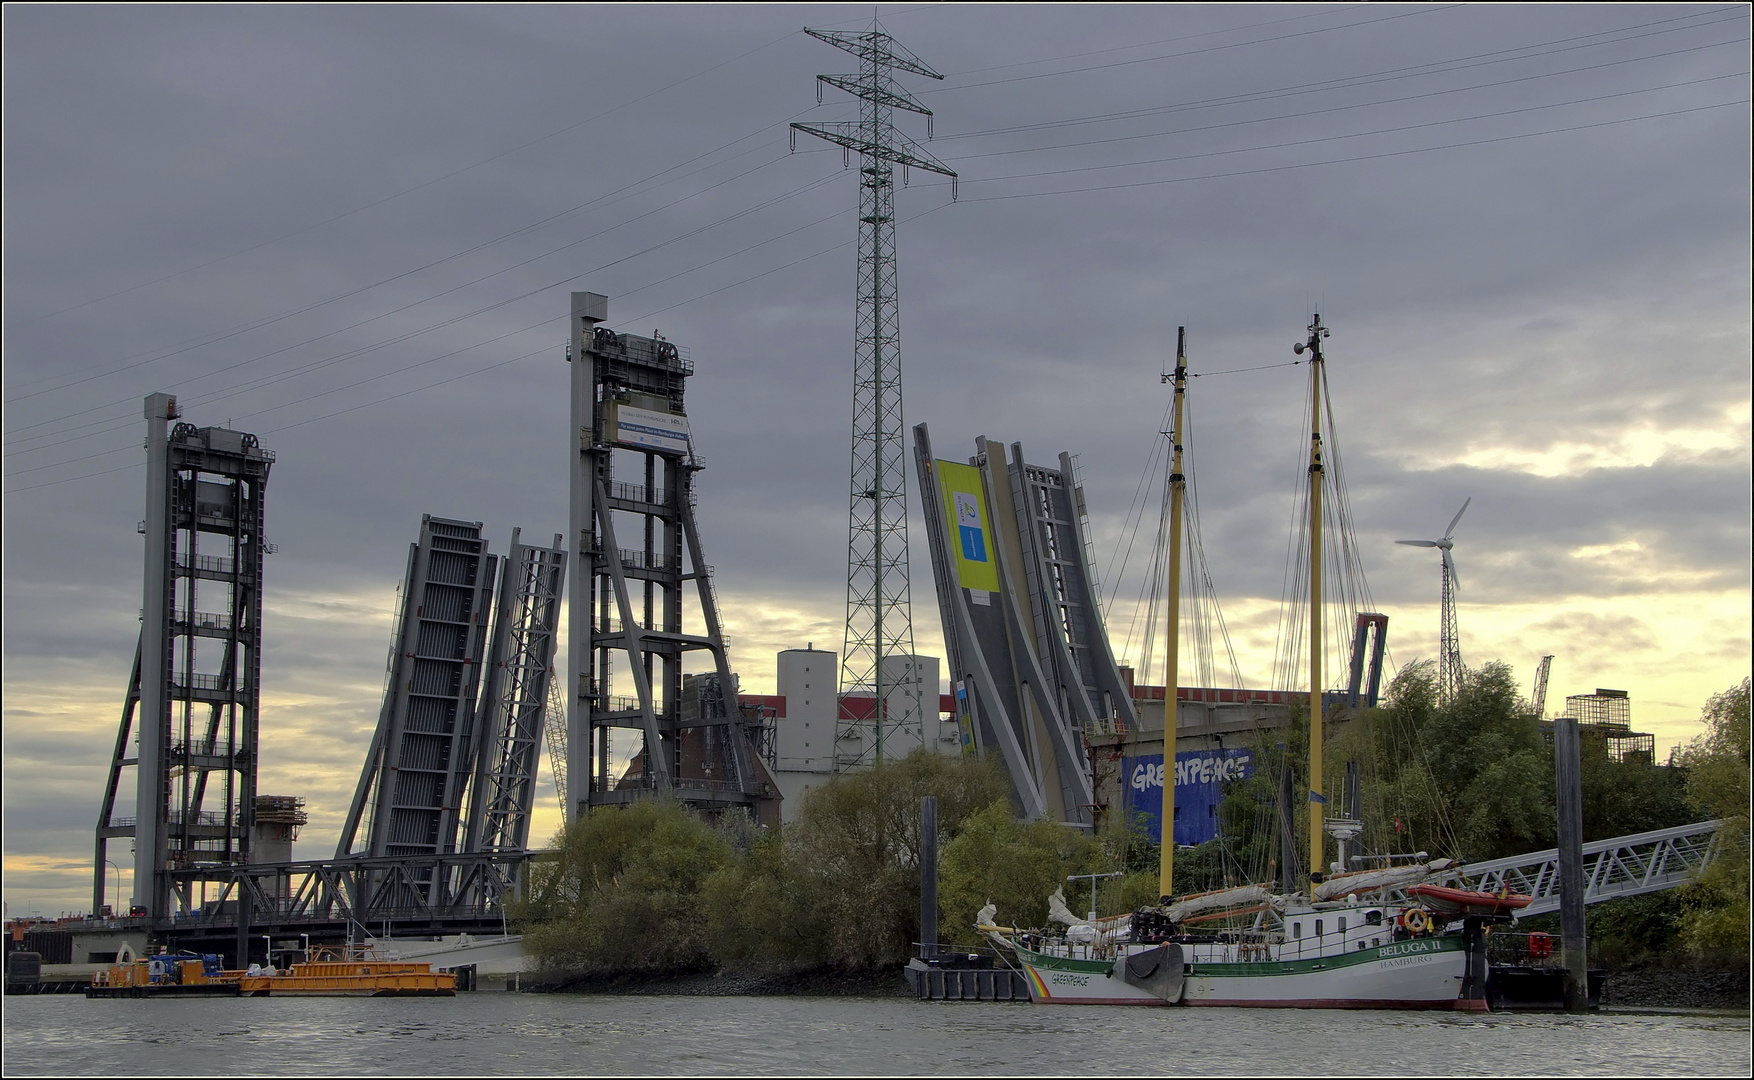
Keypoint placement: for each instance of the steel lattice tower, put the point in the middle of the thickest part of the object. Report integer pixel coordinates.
(879, 631)
(1450, 669)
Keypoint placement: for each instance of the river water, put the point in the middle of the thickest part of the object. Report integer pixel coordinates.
(498, 1034)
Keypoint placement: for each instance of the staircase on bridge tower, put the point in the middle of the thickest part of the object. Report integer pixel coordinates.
(642, 602)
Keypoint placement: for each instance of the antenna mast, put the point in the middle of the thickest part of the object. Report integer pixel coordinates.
(879, 630)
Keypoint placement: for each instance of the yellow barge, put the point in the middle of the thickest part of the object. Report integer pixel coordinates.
(350, 973)
(164, 976)
(343, 972)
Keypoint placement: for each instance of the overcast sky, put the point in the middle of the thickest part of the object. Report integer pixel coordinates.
(352, 231)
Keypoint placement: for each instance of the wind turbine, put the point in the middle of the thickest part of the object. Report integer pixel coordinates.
(1449, 655)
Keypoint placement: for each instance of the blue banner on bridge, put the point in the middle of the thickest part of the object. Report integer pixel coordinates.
(1199, 788)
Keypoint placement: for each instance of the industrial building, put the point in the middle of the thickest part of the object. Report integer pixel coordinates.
(810, 718)
(1606, 717)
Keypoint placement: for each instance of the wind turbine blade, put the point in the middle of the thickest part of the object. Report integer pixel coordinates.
(1449, 566)
(1458, 517)
(1418, 543)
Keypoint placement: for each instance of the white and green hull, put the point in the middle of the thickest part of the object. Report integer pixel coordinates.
(1061, 980)
(1421, 973)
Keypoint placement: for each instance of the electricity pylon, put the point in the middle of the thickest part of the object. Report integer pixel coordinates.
(879, 616)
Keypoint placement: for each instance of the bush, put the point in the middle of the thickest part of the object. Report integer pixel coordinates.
(764, 913)
(650, 887)
(623, 892)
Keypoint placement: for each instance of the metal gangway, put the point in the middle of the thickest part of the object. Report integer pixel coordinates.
(1632, 865)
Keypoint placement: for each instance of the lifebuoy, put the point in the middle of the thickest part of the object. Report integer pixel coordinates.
(1415, 921)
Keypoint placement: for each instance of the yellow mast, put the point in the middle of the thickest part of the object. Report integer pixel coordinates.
(1172, 639)
(1317, 800)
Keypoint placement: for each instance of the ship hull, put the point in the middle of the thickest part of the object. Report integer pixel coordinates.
(1053, 984)
(393, 985)
(1424, 973)
(1421, 974)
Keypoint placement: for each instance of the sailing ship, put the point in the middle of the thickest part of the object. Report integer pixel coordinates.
(1371, 939)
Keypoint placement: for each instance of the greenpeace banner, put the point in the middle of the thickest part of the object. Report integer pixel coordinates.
(1199, 788)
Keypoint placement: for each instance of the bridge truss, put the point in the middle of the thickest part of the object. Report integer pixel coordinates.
(370, 895)
(1624, 866)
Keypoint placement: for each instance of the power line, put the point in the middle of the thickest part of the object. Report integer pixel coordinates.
(1436, 67)
(257, 384)
(514, 333)
(1195, 52)
(260, 323)
(543, 322)
(1404, 99)
(1111, 187)
(1313, 164)
(1145, 44)
(270, 320)
(842, 245)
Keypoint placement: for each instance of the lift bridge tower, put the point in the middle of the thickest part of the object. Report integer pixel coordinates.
(190, 722)
(639, 557)
(879, 633)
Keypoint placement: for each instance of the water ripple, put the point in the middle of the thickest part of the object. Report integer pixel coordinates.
(525, 1034)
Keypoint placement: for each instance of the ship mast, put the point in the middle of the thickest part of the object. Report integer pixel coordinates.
(1317, 801)
(1172, 639)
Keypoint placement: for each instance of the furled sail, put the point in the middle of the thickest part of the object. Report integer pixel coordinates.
(1058, 912)
(1388, 877)
(1241, 896)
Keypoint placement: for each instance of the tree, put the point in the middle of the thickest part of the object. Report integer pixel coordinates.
(622, 892)
(1492, 766)
(651, 887)
(1715, 924)
(1623, 797)
(856, 848)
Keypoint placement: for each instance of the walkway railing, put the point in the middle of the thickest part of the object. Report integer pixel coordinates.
(1624, 866)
